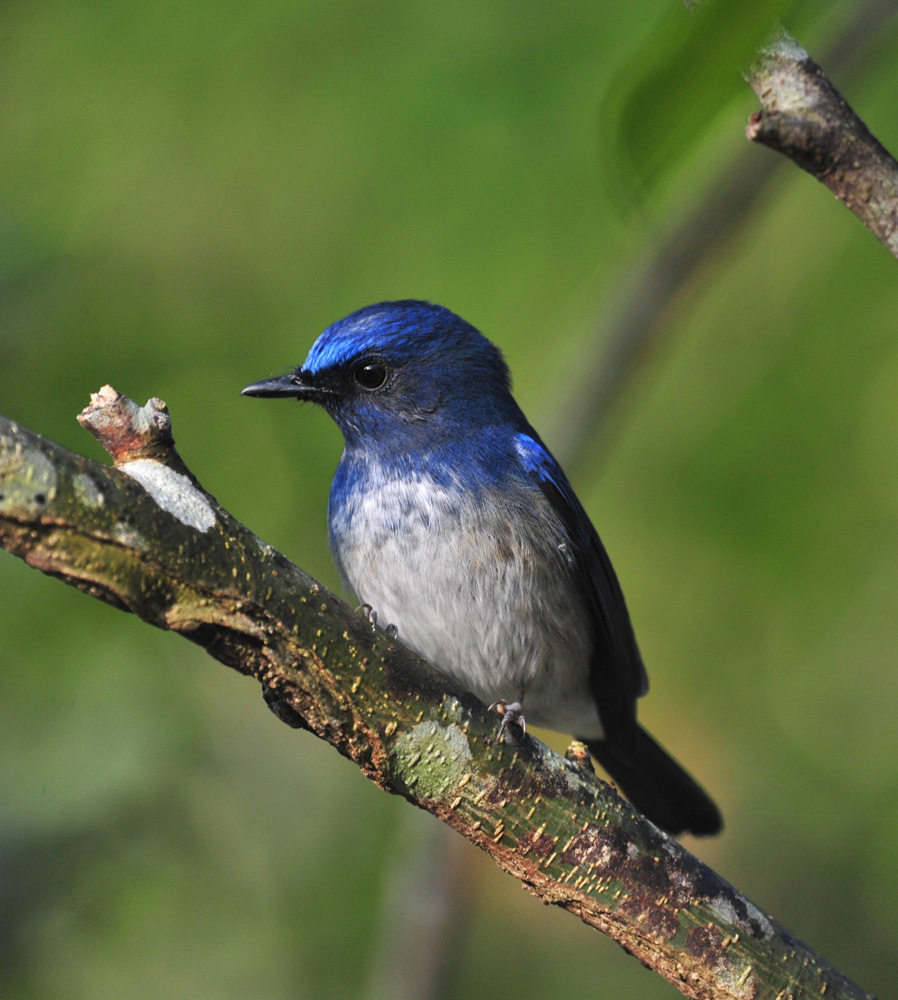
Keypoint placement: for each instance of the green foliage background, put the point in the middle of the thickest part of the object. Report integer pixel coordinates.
(189, 193)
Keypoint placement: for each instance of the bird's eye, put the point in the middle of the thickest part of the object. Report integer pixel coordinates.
(371, 375)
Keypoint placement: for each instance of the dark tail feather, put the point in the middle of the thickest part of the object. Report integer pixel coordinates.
(656, 784)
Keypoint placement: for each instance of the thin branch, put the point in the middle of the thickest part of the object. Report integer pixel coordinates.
(806, 119)
(147, 538)
(630, 322)
(424, 889)
(647, 292)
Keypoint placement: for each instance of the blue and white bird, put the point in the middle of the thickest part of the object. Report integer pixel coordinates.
(452, 520)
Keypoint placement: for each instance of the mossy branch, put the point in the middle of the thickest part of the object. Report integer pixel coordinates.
(146, 537)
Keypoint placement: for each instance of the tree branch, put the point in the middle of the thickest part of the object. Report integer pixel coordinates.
(147, 538)
(629, 323)
(806, 119)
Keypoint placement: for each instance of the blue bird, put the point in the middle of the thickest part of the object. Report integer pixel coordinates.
(450, 518)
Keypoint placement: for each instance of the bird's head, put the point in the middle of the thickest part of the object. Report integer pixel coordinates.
(408, 369)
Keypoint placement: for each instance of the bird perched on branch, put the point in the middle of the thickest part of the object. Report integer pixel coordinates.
(450, 517)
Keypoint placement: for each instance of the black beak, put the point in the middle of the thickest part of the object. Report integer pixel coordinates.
(297, 384)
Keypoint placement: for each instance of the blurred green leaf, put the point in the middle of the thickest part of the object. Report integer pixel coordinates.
(672, 91)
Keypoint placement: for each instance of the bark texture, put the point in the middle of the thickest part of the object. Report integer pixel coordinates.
(805, 118)
(147, 538)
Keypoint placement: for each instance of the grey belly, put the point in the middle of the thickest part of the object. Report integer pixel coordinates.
(484, 606)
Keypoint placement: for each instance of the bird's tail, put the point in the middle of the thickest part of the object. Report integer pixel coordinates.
(656, 784)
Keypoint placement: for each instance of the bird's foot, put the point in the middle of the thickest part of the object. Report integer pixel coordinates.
(511, 714)
(371, 616)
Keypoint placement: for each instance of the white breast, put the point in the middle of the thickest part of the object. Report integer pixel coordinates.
(492, 605)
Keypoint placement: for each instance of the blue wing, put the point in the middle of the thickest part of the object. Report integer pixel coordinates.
(617, 673)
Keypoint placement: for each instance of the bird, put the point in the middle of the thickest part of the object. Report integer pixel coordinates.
(450, 518)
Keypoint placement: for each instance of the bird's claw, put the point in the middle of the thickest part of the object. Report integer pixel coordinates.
(370, 615)
(511, 714)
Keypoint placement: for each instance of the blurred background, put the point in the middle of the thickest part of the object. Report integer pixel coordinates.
(189, 194)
